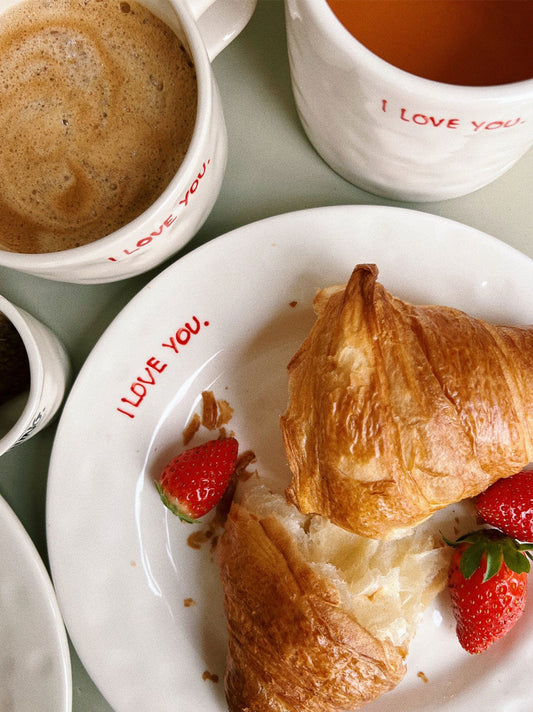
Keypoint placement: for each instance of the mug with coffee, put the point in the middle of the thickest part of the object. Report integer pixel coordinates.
(410, 99)
(34, 375)
(113, 140)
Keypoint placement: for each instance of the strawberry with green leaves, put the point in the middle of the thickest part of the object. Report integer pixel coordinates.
(508, 505)
(194, 481)
(487, 581)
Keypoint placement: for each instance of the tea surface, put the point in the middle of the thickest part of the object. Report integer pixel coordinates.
(466, 42)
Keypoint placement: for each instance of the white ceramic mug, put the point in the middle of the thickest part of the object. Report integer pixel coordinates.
(390, 132)
(49, 367)
(205, 27)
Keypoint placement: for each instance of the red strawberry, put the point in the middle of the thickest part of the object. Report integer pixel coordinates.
(508, 505)
(487, 580)
(195, 481)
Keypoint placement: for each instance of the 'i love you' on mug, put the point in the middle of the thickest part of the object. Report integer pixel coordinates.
(415, 100)
(113, 145)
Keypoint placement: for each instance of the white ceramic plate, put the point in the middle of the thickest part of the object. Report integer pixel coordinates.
(34, 656)
(121, 563)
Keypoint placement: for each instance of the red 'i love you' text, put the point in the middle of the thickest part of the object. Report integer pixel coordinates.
(151, 372)
(475, 126)
(170, 220)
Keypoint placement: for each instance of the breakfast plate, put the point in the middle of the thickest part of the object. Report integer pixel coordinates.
(34, 656)
(142, 605)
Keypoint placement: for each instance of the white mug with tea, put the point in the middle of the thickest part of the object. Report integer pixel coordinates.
(114, 144)
(34, 375)
(414, 100)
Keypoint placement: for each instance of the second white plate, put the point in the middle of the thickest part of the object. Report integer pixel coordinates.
(34, 657)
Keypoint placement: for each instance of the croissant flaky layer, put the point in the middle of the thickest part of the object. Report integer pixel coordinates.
(397, 410)
(291, 644)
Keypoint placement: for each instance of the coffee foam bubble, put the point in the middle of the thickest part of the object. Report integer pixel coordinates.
(97, 109)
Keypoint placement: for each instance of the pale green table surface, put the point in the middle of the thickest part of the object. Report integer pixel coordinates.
(271, 169)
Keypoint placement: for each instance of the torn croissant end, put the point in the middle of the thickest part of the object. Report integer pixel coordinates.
(396, 410)
(319, 619)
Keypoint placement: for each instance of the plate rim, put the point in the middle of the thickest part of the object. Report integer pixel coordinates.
(11, 525)
(256, 227)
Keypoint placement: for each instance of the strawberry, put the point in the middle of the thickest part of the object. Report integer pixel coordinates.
(508, 505)
(194, 481)
(487, 581)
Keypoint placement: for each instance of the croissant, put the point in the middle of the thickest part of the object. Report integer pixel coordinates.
(397, 410)
(319, 619)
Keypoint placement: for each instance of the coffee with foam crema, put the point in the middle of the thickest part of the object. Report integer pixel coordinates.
(98, 104)
(465, 42)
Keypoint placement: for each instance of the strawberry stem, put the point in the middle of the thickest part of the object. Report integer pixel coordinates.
(497, 548)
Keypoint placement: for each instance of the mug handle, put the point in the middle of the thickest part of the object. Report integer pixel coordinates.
(220, 21)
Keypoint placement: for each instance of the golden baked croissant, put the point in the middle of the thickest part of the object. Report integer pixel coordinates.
(319, 619)
(397, 410)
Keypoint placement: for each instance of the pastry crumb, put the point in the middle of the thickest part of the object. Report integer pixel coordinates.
(422, 676)
(196, 539)
(191, 429)
(215, 414)
(225, 413)
(244, 459)
(206, 675)
(209, 410)
(213, 547)
(189, 602)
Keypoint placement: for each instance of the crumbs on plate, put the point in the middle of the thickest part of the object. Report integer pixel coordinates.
(216, 414)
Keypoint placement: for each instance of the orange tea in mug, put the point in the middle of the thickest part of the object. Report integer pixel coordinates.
(464, 42)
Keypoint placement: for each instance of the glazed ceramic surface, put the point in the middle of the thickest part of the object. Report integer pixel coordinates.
(393, 133)
(34, 656)
(49, 377)
(144, 608)
(182, 208)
